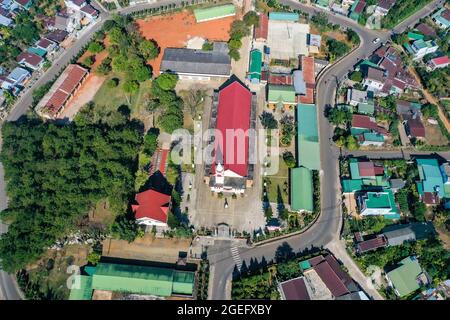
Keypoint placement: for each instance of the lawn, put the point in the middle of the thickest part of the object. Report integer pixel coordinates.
(113, 98)
(279, 181)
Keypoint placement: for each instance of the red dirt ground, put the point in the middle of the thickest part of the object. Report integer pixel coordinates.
(176, 29)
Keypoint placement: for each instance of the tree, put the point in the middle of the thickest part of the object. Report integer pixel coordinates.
(419, 211)
(337, 48)
(352, 36)
(289, 159)
(169, 122)
(400, 38)
(105, 67)
(89, 61)
(151, 141)
(352, 143)
(149, 49)
(234, 54)
(239, 29)
(320, 20)
(142, 73)
(207, 46)
(93, 258)
(251, 18)
(430, 111)
(356, 76)
(234, 44)
(402, 199)
(125, 228)
(130, 87)
(172, 221)
(95, 47)
(112, 83)
(268, 121)
(193, 100)
(166, 81)
(339, 116)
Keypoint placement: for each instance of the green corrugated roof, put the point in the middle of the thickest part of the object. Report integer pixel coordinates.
(404, 278)
(354, 168)
(255, 64)
(301, 189)
(371, 136)
(351, 185)
(381, 200)
(367, 63)
(308, 153)
(366, 108)
(415, 36)
(85, 290)
(430, 175)
(217, 12)
(279, 93)
(284, 16)
(304, 265)
(38, 51)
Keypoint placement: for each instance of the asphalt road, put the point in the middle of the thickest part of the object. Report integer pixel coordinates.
(327, 228)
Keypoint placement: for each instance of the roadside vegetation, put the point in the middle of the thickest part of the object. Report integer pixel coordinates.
(401, 10)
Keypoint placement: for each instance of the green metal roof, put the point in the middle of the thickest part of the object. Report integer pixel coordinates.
(205, 14)
(40, 52)
(366, 108)
(255, 64)
(304, 265)
(354, 169)
(284, 16)
(371, 136)
(415, 36)
(430, 176)
(140, 279)
(351, 185)
(84, 292)
(308, 153)
(280, 93)
(301, 189)
(381, 200)
(404, 278)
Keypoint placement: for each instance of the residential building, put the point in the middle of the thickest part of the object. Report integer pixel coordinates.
(407, 108)
(371, 139)
(431, 184)
(294, 289)
(261, 31)
(377, 203)
(284, 16)
(279, 96)
(324, 4)
(357, 9)
(127, 278)
(57, 36)
(89, 11)
(314, 42)
(405, 279)
(355, 97)
(364, 246)
(192, 64)
(374, 79)
(65, 22)
(308, 148)
(397, 234)
(75, 4)
(213, 13)
(301, 195)
(366, 108)
(307, 65)
(363, 123)
(299, 82)
(383, 7)
(255, 66)
(30, 60)
(25, 4)
(442, 18)
(426, 30)
(281, 79)
(420, 48)
(15, 80)
(47, 45)
(5, 18)
(64, 88)
(234, 108)
(414, 127)
(152, 208)
(439, 62)
(364, 175)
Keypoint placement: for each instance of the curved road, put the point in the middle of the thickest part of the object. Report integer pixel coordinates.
(326, 231)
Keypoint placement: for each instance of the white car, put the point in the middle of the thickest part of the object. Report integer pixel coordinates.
(376, 40)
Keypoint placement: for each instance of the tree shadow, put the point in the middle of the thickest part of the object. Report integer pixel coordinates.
(284, 253)
(280, 201)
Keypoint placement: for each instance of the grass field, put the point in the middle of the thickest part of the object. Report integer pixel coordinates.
(113, 98)
(279, 181)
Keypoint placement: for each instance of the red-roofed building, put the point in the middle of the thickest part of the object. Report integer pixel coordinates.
(89, 11)
(366, 123)
(366, 169)
(152, 208)
(230, 169)
(368, 245)
(439, 62)
(331, 279)
(30, 60)
(426, 30)
(414, 127)
(281, 79)
(262, 30)
(307, 64)
(61, 91)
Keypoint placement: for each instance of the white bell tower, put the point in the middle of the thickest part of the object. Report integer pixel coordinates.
(219, 174)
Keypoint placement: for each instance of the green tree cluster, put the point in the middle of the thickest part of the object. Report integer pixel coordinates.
(268, 120)
(400, 11)
(54, 173)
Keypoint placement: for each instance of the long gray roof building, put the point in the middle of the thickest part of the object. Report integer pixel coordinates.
(200, 63)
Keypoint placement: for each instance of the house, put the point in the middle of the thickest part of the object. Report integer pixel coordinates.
(294, 289)
(5, 17)
(192, 64)
(46, 45)
(442, 18)
(152, 208)
(25, 4)
(377, 203)
(234, 108)
(420, 48)
(136, 279)
(407, 108)
(255, 66)
(431, 184)
(439, 62)
(399, 233)
(405, 279)
(366, 108)
(280, 96)
(324, 4)
(75, 4)
(374, 79)
(364, 175)
(281, 79)
(89, 11)
(57, 36)
(355, 97)
(426, 30)
(314, 41)
(15, 80)
(379, 241)
(414, 127)
(299, 82)
(383, 7)
(307, 65)
(213, 13)
(308, 148)
(261, 31)
(357, 9)
(340, 9)
(301, 191)
(64, 88)
(37, 51)
(66, 22)
(396, 184)
(362, 123)
(30, 60)
(371, 139)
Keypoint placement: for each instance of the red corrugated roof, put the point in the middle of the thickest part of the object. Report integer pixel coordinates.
(162, 164)
(430, 198)
(379, 170)
(360, 7)
(372, 244)
(295, 289)
(416, 128)
(282, 79)
(233, 113)
(30, 58)
(262, 30)
(309, 78)
(361, 121)
(366, 169)
(44, 43)
(331, 280)
(152, 204)
(89, 10)
(441, 60)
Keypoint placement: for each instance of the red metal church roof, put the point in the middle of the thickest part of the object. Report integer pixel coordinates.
(152, 204)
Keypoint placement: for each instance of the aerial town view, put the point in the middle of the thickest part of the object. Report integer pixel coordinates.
(224, 150)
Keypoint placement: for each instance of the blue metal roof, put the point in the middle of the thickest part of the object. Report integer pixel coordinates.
(284, 16)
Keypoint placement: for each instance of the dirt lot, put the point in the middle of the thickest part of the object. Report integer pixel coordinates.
(102, 214)
(176, 29)
(147, 248)
(433, 134)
